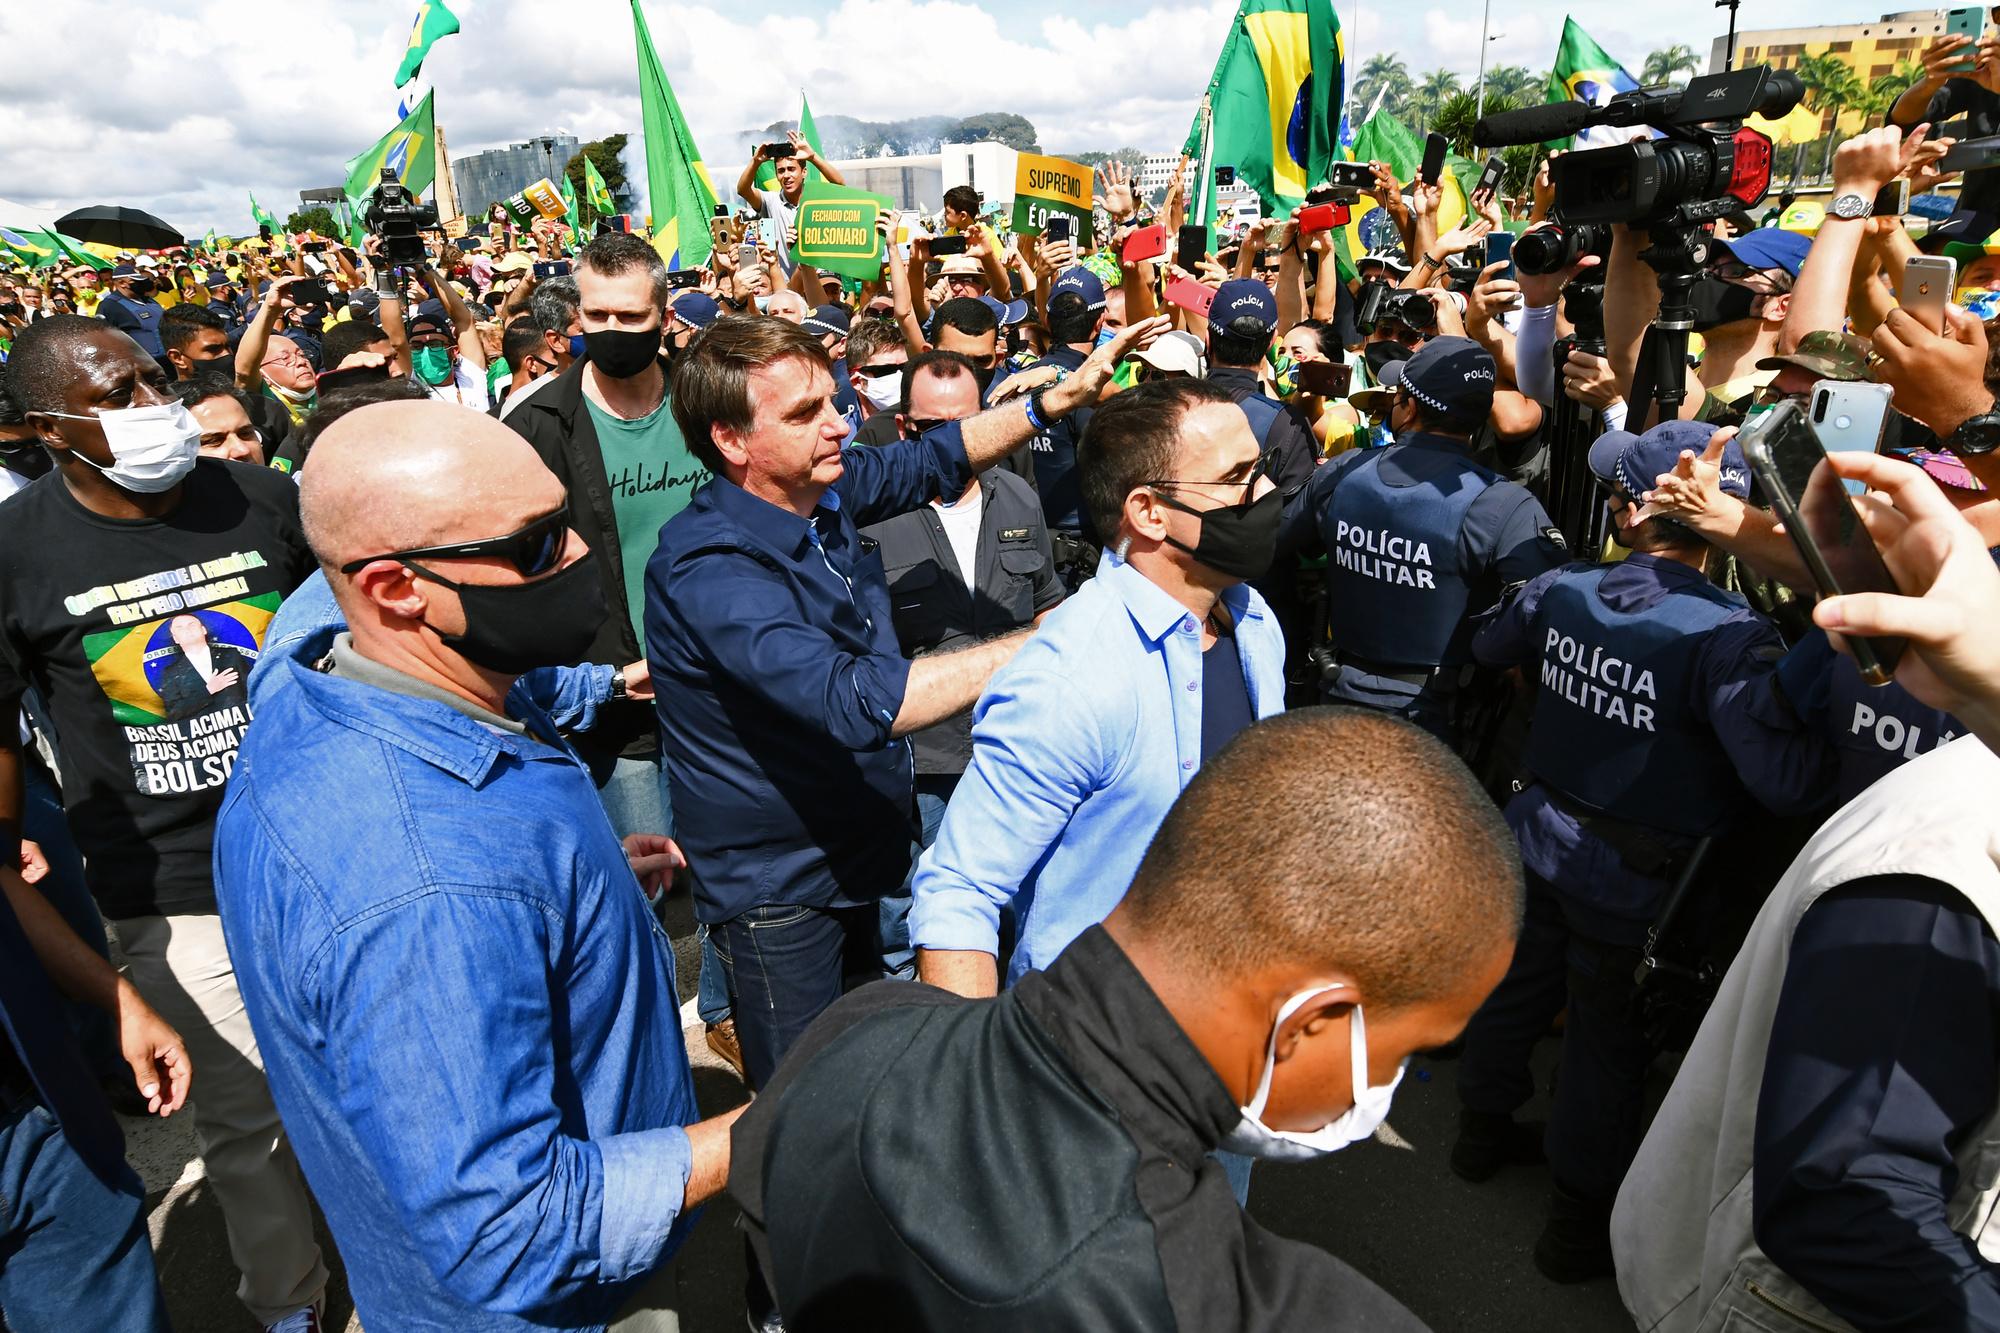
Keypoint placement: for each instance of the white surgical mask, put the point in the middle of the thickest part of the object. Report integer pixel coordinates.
(883, 391)
(1253, 1138)
(152, 448)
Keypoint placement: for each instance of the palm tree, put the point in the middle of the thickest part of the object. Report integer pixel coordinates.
(1831, 86)
(1515, 83)
(1384, 75)
(1455, 117)
(1884, 89)
(1661, 66)
(1430, 95)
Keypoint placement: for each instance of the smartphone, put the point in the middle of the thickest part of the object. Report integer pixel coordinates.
(312, 247)
(1969, 155)
(1893, 199)
(1790, 462)
(1192, 296)
(1145, 243)
(1927, 287)
(551, 268)
(1500, 250)
(1489, 178)
(1322, 217)
(1058, 228)
(721, 211)
(1850, 416)
(746, 253)
(1190, 248)
(683, 277)
(777, 150)
(1350, 176)
(1964, 23)
(947, 245)
(1225, 176)
(1435, 147)
(1328, 379)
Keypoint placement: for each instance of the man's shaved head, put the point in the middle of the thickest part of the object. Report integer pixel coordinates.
(1332, 837)
(394, 476)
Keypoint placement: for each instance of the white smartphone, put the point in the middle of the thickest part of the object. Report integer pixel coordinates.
(1850, 416)
(1928, 281)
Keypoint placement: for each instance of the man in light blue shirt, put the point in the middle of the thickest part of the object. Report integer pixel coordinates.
(1082, 742)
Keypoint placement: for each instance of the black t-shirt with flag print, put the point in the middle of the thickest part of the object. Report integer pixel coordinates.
(139, 635)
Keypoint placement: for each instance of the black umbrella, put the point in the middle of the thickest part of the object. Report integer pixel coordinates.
(126, 228)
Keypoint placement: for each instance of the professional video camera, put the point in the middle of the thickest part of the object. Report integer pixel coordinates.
(397, 218)
(1705, 162)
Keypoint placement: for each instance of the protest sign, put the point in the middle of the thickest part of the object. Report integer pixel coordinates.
(837, 230)
(540, 200)
(1048, 185)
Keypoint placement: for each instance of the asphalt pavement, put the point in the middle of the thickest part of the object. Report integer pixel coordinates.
(1456, 1254)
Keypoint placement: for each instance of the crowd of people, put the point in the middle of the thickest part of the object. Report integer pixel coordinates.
(1105, 736)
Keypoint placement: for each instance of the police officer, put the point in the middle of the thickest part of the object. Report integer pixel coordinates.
(1640, 744)
(1872, 729)
(1075, 317)
(130, 308)
(972, 567)
(1420, 539)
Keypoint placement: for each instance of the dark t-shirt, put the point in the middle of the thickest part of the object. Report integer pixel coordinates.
(1980, 190)
(101, 615)
(1225, 699)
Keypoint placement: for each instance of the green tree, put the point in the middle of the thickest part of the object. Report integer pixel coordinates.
(1515, 83)
(603, 154)
(1459, 112)
(1521, 160)
(318, 218)
(1831, 87)
(1017, 132)
(1430, 95)
(1662, 65)
(1384, 74)
(1884, 89)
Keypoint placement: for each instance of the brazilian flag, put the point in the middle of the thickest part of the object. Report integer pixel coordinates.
(410, 150)
(677, 183)
(596, 191)
(1275, 99)
(433, 21)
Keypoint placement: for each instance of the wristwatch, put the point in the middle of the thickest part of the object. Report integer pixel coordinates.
(1976, 435)
(618, 690)
(1853, 207)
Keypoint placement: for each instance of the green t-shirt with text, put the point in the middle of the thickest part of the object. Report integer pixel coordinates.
(652, 474)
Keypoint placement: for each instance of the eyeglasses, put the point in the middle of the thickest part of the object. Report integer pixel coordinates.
(1249, 483)
(534, 550)
(880, 368)
(925, 425)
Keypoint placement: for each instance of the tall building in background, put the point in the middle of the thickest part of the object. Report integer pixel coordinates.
(485, 178)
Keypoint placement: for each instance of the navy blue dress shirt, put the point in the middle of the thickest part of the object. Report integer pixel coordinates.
(777, 677)
(1882, 1060)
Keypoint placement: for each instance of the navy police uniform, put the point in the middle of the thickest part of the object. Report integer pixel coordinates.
(1641, 743)
(1420, 541)
(1872, 730)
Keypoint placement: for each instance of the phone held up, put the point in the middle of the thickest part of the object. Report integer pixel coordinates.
(1790, 463)
(1927, 286)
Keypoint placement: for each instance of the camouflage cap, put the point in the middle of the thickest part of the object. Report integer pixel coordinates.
(1827, 354)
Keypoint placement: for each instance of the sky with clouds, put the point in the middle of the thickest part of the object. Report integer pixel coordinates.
(184, 106)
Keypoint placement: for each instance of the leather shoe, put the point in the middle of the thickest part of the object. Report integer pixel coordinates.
(1575, 1244)
(1488, 1140)
(721, 1038)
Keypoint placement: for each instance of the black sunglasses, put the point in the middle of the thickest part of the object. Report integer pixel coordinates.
(925, 425)
(879, 369)
(534, 550)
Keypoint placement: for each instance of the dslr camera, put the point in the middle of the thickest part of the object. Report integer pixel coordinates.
(397, 218)
(1557, 244)
(1700, 163)
(1378, 301)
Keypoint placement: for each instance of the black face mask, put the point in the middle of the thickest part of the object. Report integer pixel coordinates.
(983, 377)
(1717, 303)
(621, 353)
(1379, 355)
(1239, 541)
(515, 627)
(25, 458)
(141, 288)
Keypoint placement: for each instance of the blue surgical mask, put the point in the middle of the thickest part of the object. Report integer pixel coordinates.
(1105, 335)
(576, 347)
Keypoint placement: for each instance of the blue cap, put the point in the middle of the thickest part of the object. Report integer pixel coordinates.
(125, 271)
(1633, 463)
(431, 313)
(1084, 283)
(218, 279)
(829, 318)
(1244, 298)
(1770, 247)
(697, 310)
(1452, 377)
(1008, 312)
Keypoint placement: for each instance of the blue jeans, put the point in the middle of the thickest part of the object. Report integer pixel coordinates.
(786, 965)
(711, 996)
(73, 1249)
(899, 957)
(43, 823)
(635, 796)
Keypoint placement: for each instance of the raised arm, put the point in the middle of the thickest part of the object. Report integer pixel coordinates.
(746, 184)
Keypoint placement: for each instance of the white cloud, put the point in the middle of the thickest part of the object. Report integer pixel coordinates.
(184, 106)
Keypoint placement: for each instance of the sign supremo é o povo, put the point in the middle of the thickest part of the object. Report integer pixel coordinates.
(1045, 187)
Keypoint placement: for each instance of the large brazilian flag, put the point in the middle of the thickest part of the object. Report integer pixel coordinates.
(1275, 99)
(677, 184)
(409, 150)
(1585, 72)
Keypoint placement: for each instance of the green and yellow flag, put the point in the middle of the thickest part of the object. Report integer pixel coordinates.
(681, 196)
(1585, 72)
(1275, 98)
(259, 216)
(410, 150)
(571, 212)
(767, 175)
(1383, 138)
(596, 191)
(433, 21)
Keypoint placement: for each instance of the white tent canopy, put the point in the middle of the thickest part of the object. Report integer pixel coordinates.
(20, 215)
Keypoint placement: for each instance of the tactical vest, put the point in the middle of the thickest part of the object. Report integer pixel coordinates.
(1877, 730)
(1614, 727)
(1263, 414)
(1395, 592)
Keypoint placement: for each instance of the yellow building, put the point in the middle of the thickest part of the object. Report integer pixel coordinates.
(1869, 49)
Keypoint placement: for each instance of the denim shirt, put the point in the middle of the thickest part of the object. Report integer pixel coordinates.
(465, 1008)
(1079, 746)
(307, 622)
(777, 677)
